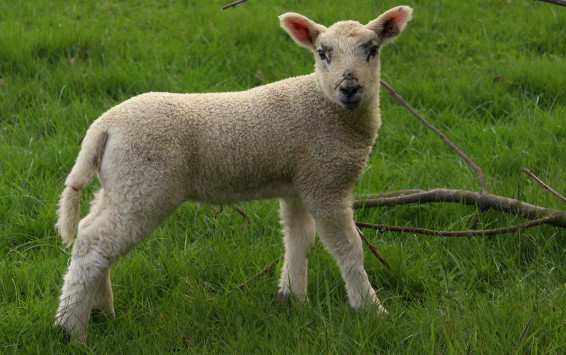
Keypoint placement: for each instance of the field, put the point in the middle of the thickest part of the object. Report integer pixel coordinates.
(491, 75)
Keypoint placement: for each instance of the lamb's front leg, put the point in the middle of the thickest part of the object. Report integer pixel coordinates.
(339, 235)
(299, 233)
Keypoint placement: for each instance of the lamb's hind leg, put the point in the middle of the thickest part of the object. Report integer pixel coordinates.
(100, 242)
(103, 301)
(81, 281)
(299, 233)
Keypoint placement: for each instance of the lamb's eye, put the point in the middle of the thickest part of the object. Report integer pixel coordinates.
(372, 52)
(322, 55)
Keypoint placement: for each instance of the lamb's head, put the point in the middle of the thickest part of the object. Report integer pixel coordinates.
(347, 53)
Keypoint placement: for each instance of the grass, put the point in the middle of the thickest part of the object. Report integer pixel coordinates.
(491, 76)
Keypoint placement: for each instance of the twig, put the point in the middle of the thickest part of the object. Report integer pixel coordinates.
(266, 269)
(468, 233)
(478, 171)
(555, 2)
(373, 249)
(552, 191)
(240, 211)
(525, 328)
(233, 4)
(471, 198)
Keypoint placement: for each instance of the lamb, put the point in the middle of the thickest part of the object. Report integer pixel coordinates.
(304, 140)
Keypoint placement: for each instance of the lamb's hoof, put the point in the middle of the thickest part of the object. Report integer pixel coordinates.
(284, 297)
(65, 335)
(70, 333)
(381, 311)
(98, 314)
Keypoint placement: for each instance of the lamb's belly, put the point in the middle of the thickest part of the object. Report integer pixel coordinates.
(231, 194)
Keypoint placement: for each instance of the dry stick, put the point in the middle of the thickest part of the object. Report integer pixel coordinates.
(471, 198)
(470, 162)
(552, 191)
(240, 211)
(468, 233)
(266, 269)
(232, 4)
(516, 347)
(373, 249)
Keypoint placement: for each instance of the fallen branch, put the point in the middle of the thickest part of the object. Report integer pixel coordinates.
(485, 201)
(233, 4)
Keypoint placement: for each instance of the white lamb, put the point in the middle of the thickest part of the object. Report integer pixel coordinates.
(304, 140)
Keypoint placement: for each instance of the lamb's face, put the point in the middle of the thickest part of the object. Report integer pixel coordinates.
(347, 63)
(347, 53)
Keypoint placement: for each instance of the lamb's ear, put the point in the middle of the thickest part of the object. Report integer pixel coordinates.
(301, 29)
(391, 23)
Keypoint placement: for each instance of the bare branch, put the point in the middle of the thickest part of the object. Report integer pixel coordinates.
(233, 4)
(484, 201)
(555, 2)
(470, 162)
(266, 269)
(552, 191)
(468, 233)
(525, 328)
(373, 249)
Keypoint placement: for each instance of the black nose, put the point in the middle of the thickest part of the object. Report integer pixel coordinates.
(349, 91)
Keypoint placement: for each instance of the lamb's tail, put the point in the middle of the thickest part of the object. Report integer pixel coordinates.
(87, 164)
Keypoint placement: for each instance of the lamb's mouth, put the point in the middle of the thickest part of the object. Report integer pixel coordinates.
(350, 96)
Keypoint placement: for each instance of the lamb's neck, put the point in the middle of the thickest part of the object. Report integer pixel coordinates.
(363, 121)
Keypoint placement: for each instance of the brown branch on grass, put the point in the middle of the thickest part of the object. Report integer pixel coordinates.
(470, 162)
(485, 201)
(550, 189)
(468, 233)
(555, 2)
(233, 4)
(525, 329)
(240, 211)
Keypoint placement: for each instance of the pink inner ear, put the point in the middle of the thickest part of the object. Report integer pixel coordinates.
(300, 31)
(392, 23)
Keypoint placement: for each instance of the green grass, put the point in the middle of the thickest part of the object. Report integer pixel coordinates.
(490, 75)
